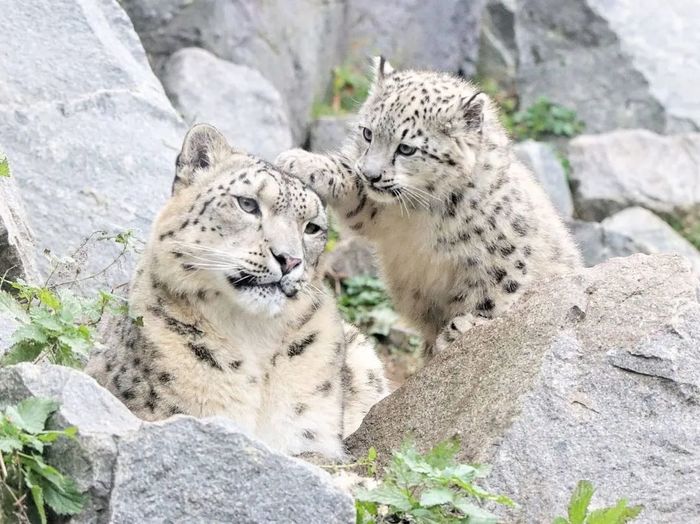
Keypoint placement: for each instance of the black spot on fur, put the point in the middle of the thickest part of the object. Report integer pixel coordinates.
(203, 353)
(309, 435)
(485, 305)
(299, 408)
(325, 388)
(165, 377)
(297, 348)
(511, 286)
(235, 364)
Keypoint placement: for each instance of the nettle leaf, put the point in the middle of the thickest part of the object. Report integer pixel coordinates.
(21, 352)
(621, 513)
(65, 497)
(9, 443)
(31, 414)
(30, 332)
(436, 497)
(580, 499)
(32, 481)
(9, 305)
(476, 514)
(389, 495)
(4, 167)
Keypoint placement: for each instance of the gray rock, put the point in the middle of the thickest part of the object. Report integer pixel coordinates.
(598, 244)
(294, 44)
(89, 132)
(182, 469)
(563, 49)
(351, 257)
(434, 34)
(328, 133)
(592, 376)
(237, 100)
(243, 482)
(546, 166)
(17, 251)
(498, 53)
(652, 233)
(616, 170)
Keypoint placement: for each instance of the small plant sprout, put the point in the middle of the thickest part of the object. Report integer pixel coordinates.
(578, 511)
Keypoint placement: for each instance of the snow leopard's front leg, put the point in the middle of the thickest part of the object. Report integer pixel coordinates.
(335, 181)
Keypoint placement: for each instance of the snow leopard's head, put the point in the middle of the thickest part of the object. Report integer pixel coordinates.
(419, 132)
(238, 227)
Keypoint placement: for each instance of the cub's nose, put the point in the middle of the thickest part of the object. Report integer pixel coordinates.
(286, 261)
(373, 176)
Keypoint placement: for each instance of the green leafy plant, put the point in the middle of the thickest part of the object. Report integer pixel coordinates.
(4, 166)
(427, 488)
(57, 325)
(363, 301)
(349, 88)
(579, 512)
(687, 226)
(544, 119)
(28, 485)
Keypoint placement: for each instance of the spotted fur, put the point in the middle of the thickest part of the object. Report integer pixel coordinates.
(461, 227)
(233, 318)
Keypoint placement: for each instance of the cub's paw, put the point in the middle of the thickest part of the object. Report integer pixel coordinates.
(455, 329)
(299, 163)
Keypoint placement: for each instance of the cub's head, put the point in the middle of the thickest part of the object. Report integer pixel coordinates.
(237, 227)
(418, 131)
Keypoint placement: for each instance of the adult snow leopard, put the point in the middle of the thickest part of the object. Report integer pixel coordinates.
(233, 316)
(462, 229)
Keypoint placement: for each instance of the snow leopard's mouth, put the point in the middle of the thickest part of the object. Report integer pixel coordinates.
(246, 281)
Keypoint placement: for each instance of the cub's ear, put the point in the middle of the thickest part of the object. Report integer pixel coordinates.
(381, 69)
(472, 111)
(203, 144)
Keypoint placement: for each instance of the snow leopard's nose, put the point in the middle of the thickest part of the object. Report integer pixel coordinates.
(286, 261)
(373, 176)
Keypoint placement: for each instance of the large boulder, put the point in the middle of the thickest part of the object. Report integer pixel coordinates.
(598, 244)
(433, 34)
(294, 44)
(236, 99)
(542, 159)
(593, 376)
(17, 251)
(181, 469)
(498, 54)
(328, 133)
(89, 132)
(619, 64)
(625, 168)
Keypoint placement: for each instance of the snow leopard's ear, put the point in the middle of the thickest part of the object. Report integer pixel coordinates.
(202, 145)
(472, 111)
(381, 69)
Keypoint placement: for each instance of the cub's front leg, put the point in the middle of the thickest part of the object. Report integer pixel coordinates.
(335, 181)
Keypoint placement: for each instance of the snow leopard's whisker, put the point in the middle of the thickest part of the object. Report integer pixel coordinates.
(415, 198)
(424, 192)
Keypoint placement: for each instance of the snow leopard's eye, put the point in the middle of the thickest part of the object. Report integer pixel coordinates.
(405, 150)
(367, 134)
(312, 229)
(248, 205)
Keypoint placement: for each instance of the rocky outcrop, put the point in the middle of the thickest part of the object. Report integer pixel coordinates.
(328, 133)
(181, 469)
(434, 34)
(294, 44)
(89, 132)
(611, 61)
(17, 251)
(236, 99)
(597, 244)
(592, 376)
(542, 159)
(620, 169)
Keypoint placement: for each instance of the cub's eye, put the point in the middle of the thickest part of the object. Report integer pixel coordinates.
(248, 205)
(367, 134)
(312, 229)
(406, 150)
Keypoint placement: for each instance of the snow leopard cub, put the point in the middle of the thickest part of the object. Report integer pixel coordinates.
(461, 227)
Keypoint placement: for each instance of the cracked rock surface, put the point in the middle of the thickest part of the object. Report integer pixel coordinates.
(593, 376)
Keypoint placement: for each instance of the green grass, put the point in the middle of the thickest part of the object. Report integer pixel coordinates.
(349, 89)
(4, 166)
